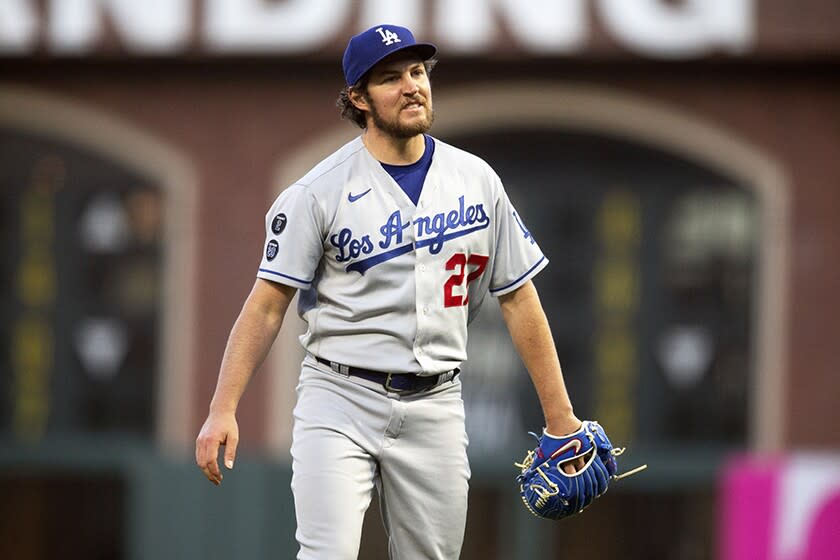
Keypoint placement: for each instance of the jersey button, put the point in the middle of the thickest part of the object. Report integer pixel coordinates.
(425, 311)
(422, 268)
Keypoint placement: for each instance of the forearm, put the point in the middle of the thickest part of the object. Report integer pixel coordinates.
(531, 335)
(250, 339)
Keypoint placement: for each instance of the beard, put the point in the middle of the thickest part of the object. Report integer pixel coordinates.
(395, 128)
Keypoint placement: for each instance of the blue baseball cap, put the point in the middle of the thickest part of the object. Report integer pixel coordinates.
(369, 47)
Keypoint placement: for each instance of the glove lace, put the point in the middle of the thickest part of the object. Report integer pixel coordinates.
(543, 492)
(527, 461)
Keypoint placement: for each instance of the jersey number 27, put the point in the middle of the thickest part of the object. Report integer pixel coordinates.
(459, 262)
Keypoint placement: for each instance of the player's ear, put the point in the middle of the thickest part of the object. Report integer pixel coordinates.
(358, 99)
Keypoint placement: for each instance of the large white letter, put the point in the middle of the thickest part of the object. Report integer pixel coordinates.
(18, 25)
(547, 26)
(539, 26)
(465, 26)
(406, 13)
(290, 26)
(148, 26)
(692, 28)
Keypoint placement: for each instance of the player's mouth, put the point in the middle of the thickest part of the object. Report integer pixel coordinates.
(414, 106)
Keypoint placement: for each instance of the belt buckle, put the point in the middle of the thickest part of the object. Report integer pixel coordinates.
(390, 387)
(393, 389)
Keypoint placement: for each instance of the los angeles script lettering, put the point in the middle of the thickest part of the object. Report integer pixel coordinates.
(431, 230)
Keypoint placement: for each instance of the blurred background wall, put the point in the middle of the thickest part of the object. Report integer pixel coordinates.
(675, 159)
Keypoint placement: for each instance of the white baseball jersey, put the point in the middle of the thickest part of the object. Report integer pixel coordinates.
(387, 285)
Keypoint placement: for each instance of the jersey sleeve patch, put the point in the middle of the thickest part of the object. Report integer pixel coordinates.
(278, 224)
(293, 245)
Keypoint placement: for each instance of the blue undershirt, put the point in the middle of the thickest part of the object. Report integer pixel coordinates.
(411, 177)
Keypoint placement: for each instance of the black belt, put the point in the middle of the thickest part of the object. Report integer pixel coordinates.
(397, 382)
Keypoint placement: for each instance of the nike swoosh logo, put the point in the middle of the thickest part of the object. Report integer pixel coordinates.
(354, 198)
(572, 444)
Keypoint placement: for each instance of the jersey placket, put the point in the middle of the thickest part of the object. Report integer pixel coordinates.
(424, 273)
(425, 282)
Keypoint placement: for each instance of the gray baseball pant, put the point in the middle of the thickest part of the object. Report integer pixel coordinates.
(350, 435)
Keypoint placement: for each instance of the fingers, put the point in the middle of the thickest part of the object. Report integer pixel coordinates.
(206, 453)
(230, 450)
(574, 466)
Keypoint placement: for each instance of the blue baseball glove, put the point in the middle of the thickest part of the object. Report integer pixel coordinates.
(549, 492)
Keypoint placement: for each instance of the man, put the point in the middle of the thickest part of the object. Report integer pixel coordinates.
(393, 240)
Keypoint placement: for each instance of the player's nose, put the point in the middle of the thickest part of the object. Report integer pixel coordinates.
(410, 85)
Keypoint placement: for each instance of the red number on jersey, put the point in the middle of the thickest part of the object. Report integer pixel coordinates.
(460, 262)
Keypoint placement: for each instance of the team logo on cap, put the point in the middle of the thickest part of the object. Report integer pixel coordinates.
(271, 250)
(278, 224)
(388, 36)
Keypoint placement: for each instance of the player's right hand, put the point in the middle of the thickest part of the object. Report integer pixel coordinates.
(218, 429)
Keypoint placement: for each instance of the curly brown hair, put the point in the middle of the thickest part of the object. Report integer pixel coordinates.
(349, 111)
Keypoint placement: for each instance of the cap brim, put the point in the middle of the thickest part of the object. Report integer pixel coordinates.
(425, 50)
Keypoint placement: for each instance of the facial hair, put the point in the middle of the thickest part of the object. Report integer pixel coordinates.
(396, 129)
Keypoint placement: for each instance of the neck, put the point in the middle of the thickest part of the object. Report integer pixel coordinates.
(394, 151)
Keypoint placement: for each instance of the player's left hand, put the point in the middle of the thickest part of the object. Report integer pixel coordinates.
(219, 429)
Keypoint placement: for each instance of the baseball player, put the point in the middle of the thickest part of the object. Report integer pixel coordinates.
(393, 242)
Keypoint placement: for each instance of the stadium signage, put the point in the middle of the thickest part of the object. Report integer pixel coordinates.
(654, 28)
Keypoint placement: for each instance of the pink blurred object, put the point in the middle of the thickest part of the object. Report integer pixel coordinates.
(782, 508)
